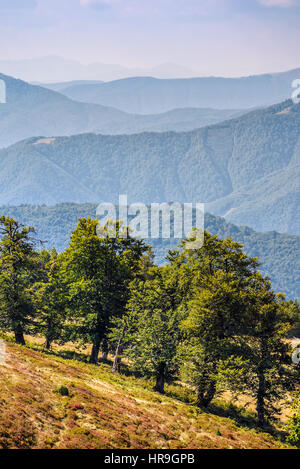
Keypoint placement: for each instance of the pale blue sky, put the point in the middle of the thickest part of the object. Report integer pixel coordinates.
(212, 37)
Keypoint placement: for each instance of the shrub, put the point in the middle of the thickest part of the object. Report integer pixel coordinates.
(293, 425)
(63, 391)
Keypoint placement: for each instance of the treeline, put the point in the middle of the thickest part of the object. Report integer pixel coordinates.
(208, 318)
(278, 253)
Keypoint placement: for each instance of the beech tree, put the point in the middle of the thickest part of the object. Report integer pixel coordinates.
(213, 323)
(152, 326)
(50, 295)
(215, 309)
(270, 374)
(261, 364)
(98, 270)
(17, 271)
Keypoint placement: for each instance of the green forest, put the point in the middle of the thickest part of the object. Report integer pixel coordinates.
(278, 253)
(208, 318)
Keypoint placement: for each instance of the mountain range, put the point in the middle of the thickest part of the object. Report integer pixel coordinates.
(153, 90)
(148, 95)
(53, 68)
(246, 169)
(33, 110)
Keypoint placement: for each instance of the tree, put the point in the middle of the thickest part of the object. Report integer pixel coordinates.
(136, 259)
(98, 270)
(261, 366)
(152, 331)
(215, 305)
(50, 298)
(17, 272)
(270, 375)
(214, 322)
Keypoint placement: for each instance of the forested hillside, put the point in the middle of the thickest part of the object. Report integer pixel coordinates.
(248, 168)
(278, 253)
(207, 306)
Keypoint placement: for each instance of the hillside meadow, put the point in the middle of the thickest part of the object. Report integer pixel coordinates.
(104, 410)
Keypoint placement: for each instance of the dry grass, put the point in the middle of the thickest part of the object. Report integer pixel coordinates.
(102, 410)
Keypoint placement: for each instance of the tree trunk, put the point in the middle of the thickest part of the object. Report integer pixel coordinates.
(205, 396)
(261, 391)
(160, 379)
(260, 401)
(98, 337)
(48, 343)
(95, 351)
(207, 386)
(116, 368)
(19, 335)
(104, 350)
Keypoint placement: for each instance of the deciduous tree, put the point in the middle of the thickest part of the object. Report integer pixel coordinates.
(17, 270)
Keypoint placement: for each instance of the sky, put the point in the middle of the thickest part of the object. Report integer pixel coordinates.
(210, 37)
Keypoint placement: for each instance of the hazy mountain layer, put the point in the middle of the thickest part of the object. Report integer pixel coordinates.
(53, 68)
(247, 168)
(33, 110)
(146, 95)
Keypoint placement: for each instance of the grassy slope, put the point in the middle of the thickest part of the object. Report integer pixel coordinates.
(102, 411)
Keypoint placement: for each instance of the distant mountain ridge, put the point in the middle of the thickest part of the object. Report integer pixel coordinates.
(59, 86)
(53, 68)
(33, 110)
(246, 169)
(147, 95)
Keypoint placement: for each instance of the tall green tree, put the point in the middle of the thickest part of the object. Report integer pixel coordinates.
(50, 295)
(17, 275)
(261, 366)
(215, 308)
(214, 322)
(270, 374)
(153, 328)
(215, 254)
(98, 266)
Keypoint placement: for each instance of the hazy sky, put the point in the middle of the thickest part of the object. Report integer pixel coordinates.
(212, 37)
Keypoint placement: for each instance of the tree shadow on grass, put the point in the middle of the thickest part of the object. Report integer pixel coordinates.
(244, 418)
(241, 416)
(65, 354)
